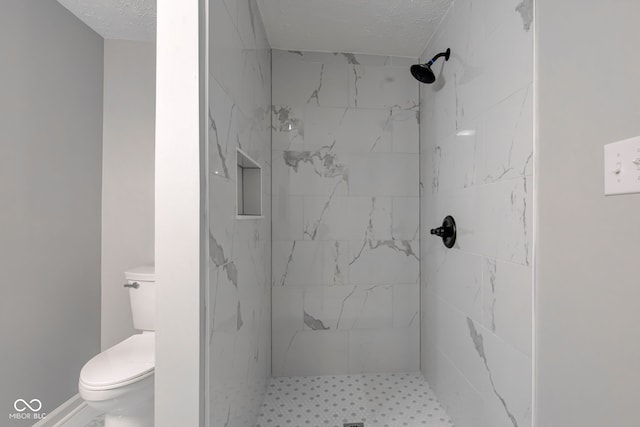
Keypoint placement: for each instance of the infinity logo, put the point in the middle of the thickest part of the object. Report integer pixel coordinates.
(21, 405)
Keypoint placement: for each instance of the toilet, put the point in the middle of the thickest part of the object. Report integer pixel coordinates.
(119, 381)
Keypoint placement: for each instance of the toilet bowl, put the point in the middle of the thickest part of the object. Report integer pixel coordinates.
(119, 381)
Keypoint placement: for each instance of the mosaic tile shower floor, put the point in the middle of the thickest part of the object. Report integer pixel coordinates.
(377, 400)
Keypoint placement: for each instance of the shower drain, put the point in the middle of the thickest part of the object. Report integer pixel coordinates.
(353, 425)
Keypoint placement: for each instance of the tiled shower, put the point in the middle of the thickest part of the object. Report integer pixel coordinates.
(339, 280)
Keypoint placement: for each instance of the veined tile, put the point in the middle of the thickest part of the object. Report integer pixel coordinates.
(348, 130)
(382, 87)
(405, 218)
(298, 83)
(505, 145)
(347, 218)
(348, 307)
(287, 128)
(310, 173)
(304, 263)
(456, 276)
(406, 306)
(507, 308)
(384, 261)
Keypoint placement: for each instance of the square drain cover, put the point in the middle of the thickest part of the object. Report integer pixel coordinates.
(353, 424)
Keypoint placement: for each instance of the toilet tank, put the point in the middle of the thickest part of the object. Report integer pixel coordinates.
(141, 282)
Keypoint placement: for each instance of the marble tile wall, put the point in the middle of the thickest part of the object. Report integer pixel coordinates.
(239, 293)
(345, 214)
(477, 297)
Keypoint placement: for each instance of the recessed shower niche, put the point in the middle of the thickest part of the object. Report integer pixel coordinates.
(249, 187)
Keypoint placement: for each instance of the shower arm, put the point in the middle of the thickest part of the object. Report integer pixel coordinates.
(446, 55)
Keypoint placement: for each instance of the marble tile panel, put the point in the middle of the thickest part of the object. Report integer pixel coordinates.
(347, 218)
(287, 128)
(406, 306)
(348, 307)
(506, 220)
(250, 27)
(224, 118)
(223, 229)
(287, 308)
(506, 61)
(227, 54)
(456, 277)
(438, 111)
(507, 302)
(461, 401)
(305, 263)
(310, 173)
(335, 58)
(310, 353)
(384, 261)
(500, 374)
(382, 87)
(287, 219)
(454, 341)
(497, 12)
(506, 391)
(405, 218)
(429, 347)
(404, 131)
(348, 130)
(402, 61)
(300, 83)
(383, 174)
(383, 350)
(505, 144)
(453, 163)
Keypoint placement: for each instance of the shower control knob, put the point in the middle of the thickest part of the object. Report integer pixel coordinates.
(447, 231)
(440, 231)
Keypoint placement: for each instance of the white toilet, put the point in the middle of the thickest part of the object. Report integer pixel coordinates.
(119, 381)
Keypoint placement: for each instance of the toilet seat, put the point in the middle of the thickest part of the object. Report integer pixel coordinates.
(125, 363)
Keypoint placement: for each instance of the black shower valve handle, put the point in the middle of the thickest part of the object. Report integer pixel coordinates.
(440, 231)
(447, 232)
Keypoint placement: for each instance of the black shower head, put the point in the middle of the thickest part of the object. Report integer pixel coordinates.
(423, 72)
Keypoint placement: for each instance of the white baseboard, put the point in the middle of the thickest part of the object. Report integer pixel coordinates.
(73, 413)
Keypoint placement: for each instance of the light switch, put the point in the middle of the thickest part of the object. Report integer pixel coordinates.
(622, 167)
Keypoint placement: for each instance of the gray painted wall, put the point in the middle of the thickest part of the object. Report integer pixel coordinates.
(50, 175)
(588, 264)
(127, 177)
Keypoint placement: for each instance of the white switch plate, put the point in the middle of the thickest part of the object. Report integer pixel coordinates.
(622, 167)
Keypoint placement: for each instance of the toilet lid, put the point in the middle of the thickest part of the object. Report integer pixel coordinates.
(121, 364)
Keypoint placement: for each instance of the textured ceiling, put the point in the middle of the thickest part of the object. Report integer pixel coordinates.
(383, 27)
(117, 19)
